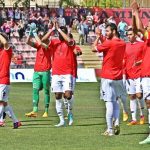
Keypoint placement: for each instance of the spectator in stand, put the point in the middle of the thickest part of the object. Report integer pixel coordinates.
(81, 32)
(60, 11)
(111, 20)
(10, 13)
(4, 15)
(17, 14)
(61, 21)
(19, 61)
(122, 27)
(21, 29)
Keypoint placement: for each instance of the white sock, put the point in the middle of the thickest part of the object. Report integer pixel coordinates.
(116, 112)
(65, 104)
(133, 108)
(124, 103)
(109, 115)
(70, 104)
(149, 117)
(11, 112)
(141, 106)
(59, 109)
(1, 112)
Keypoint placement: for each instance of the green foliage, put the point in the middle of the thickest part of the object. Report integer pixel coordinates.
(104, 3)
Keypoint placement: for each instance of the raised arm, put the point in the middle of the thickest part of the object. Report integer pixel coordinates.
(38, 40)
(137, 22)
(4, 41)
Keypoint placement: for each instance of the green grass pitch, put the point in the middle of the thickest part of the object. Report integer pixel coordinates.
(85, 134)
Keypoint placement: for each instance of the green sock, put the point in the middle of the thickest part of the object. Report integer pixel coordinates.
(35, 100)
(35, 109)
(47, 100)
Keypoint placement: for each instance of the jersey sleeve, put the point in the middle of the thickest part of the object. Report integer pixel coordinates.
(103, 47)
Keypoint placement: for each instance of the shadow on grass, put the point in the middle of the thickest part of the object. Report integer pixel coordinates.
(133, 133)
(96, 124)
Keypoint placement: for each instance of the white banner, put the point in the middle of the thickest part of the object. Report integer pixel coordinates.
(25, 75)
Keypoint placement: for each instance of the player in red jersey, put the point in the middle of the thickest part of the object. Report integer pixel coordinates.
(69, 105)
(145, 68)
(132, 60)
(62, 69)
(41, 76)
(113, 50)
(5, 60)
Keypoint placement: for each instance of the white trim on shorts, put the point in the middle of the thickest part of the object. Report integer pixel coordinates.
(111, 90)
(134, 86)
(146, 88)
(62, 83)
(4, 92)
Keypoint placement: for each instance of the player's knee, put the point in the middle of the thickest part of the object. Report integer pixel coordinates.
(132, 96)
(58, 95)
(1, 103)
(139, 95)
(148, 104)
(68, 95)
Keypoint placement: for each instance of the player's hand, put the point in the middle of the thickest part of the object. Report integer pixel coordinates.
(134, 5)
(98, 32)
(32, 26)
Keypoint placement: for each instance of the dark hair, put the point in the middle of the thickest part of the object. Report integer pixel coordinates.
(113, 27)
(64, 29)
(70, 35)
(4, 35)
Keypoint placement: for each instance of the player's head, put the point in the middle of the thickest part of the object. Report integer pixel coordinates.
(131, 35)
(64, 29)
(111, 31)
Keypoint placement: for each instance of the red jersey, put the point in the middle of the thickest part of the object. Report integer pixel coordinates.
(113, 51)
(5, 60)
(43, 59)
(133, 54)
(62, 57)
(145, 68)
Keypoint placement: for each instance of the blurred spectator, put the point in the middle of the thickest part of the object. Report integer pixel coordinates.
(61, 21)
(111, 20)
(122, 27)
(19, 60)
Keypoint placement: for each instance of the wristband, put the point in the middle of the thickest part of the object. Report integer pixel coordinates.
(59, 30)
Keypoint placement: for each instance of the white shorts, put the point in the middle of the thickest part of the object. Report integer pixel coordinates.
(4, 91)
(146, 88)
(134, 86)
(111, 90)
(62, 83)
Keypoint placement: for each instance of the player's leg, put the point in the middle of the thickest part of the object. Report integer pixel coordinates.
(16, 122)
(123, 98)
(68, 90)
(2, 96)
(108, 95)
(116, 115)
(37, 84)
(46, 87)
(1, 114)
(146, 96)
(8, 108)
(130, 87)
(140, 100)
(57, 89)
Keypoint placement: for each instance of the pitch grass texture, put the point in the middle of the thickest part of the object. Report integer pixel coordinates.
(85, 134)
